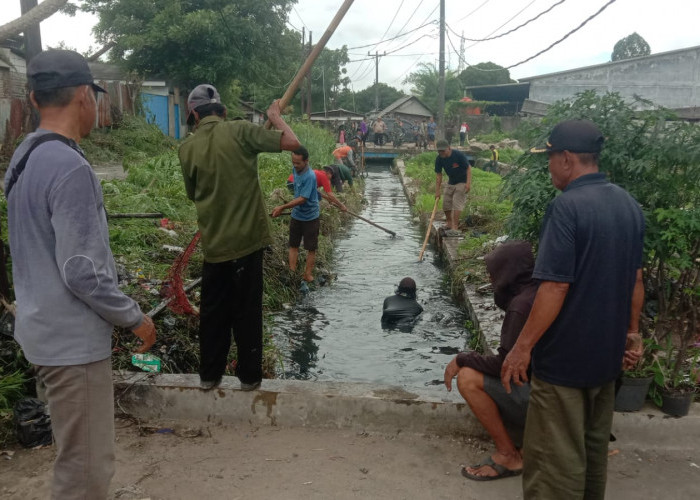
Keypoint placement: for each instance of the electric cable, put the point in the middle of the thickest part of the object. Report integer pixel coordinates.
(510, 31)
(392, 38)
(469, 14)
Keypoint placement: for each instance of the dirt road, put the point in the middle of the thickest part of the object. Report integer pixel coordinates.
(182, 461)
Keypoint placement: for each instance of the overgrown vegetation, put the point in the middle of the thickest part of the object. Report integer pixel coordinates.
(143, 249)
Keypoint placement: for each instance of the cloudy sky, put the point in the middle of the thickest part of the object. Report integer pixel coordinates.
(407, 30)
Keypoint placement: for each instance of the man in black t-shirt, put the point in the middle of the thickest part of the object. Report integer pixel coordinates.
(584, 321)
(454, 194)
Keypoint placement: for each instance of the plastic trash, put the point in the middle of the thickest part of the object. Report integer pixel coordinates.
(147, 362)
(32, 423)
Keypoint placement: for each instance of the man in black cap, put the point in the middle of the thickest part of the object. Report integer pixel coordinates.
(220, 169)
(454, 194)
(584, 321)
(402, 308)
(65, 279)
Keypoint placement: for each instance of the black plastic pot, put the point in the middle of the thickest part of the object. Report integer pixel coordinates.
(632, 393)
(676, 404)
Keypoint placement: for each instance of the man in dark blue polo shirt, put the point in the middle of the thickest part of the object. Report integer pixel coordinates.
(454, 194)
(583, 322)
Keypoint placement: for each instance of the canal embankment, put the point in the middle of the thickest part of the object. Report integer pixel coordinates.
(367, 407)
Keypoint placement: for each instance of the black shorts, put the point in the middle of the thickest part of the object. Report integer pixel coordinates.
(307, 229)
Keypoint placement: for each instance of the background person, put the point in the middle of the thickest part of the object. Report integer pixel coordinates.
(220, 170)
(510, 268)
(463, 133)
(454, 194)
(379, 129)
(346, 156)
(583, 322)
(431, 127)
(65, 280)
(493, 162)
(402, 308)
(338, 173)
(364, 131)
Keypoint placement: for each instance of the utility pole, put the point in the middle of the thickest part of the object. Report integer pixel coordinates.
(32, 46)
(308, 82)
(303, 57)
(460, 63)
(376, 78)
(32, 36)
(441, 78)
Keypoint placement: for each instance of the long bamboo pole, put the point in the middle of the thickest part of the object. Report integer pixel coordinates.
(325, 196)
(427, 234)
(306, 67)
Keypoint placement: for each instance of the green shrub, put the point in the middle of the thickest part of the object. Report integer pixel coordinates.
(657, 159)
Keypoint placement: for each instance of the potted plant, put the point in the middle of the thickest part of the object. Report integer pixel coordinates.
(633, 386)
(673, 264)
(675, 379)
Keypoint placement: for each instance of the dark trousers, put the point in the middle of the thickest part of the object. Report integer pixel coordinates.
(232, 301)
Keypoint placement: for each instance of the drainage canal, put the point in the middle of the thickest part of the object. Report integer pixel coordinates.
(335, 334)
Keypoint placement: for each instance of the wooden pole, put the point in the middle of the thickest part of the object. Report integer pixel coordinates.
(325, 197)
(430, 226)
(306, 67)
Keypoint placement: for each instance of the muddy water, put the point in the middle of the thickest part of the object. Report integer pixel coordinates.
(335, 333)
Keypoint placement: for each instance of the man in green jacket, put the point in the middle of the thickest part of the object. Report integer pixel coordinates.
(220, 170)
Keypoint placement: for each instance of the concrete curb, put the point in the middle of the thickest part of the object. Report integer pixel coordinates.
(294, 403)
(360, 407)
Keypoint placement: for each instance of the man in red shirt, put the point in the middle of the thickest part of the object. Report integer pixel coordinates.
(322, 181)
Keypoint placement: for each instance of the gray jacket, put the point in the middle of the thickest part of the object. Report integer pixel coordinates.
(63, 270)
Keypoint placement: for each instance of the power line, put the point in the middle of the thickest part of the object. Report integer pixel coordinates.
(393, 19)
(510, 31)
(299, 16)
(509, 20)
(469, 14)
(565, 36)
(589, 18)
(392, 38)
(411, 17)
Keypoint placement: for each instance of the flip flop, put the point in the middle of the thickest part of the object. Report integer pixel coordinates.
(501, 471)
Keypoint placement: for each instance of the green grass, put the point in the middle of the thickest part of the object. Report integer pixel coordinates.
(156, 185)
(505, 155)
(130, 141)
(482, 220)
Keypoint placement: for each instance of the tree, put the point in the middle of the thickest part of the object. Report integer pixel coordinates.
(425, 83)
(44, 10)
(655, 157)
(486, 73)
(364, 99)
(630, 46)
(195, 41)
(329, 71)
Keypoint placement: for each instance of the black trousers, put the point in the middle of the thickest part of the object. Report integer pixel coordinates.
(232, 301)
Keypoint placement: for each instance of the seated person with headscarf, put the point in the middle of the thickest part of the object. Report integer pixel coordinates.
(510, 267)
(402, 308)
